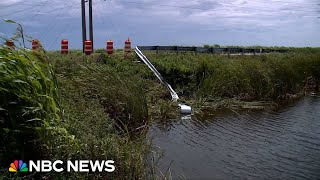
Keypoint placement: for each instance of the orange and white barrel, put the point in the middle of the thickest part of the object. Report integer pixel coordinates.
(35, 45)
(10, 44)
(127, 46)
(64, 46)
(109, 48)
(87, 47)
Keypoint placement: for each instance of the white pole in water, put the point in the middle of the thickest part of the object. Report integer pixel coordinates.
(184, 109)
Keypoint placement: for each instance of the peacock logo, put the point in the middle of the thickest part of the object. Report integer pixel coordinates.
(18, 166)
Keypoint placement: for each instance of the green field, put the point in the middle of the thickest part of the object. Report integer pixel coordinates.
(261, 77)
(72, 107)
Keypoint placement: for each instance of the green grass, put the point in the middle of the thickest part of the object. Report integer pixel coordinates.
(201, 78)
(29, 102)
(260, 77)
(72, 107)
(102, 109)
(66, 107)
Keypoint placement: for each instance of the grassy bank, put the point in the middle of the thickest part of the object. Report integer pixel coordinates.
(72, 107)
(220, 81)
(68, 108)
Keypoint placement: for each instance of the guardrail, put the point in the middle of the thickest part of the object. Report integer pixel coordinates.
(210, 49)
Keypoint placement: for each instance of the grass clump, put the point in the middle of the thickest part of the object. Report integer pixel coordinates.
(265, 77)
(30, 113)
(28, 102)
(121, 96)
(103, 109)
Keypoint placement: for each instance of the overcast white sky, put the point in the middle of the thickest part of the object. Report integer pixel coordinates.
(165, 22)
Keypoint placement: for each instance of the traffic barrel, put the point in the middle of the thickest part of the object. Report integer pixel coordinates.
(10, 44)
(127, 46)
(64, 46)
(109, 48)
(87, 47)
(35, 45)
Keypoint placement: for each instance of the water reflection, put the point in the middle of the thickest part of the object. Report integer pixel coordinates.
(244, 145)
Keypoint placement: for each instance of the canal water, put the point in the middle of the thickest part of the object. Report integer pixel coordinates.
(283, 144)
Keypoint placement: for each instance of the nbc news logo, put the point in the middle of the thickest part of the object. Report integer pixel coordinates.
(57, 166)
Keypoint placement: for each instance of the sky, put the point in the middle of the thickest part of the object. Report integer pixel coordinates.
(167, 22)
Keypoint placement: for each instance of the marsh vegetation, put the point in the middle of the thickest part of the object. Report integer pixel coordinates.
(73, 107)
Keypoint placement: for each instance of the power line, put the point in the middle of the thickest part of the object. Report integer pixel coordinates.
(29, 8)
(107, 19)
(164, 5)
(203, 9)
(34, 6)
(53, 24)
(15, 4)
(54, 10)
(32, 18)
(59, 34)
(100, 17)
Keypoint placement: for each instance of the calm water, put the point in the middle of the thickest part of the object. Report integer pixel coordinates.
(244, 145)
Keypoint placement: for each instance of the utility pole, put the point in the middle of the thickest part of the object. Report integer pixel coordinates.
(84, 34)
(91, 23)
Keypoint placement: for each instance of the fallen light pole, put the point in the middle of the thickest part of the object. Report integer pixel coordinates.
(184, 109)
